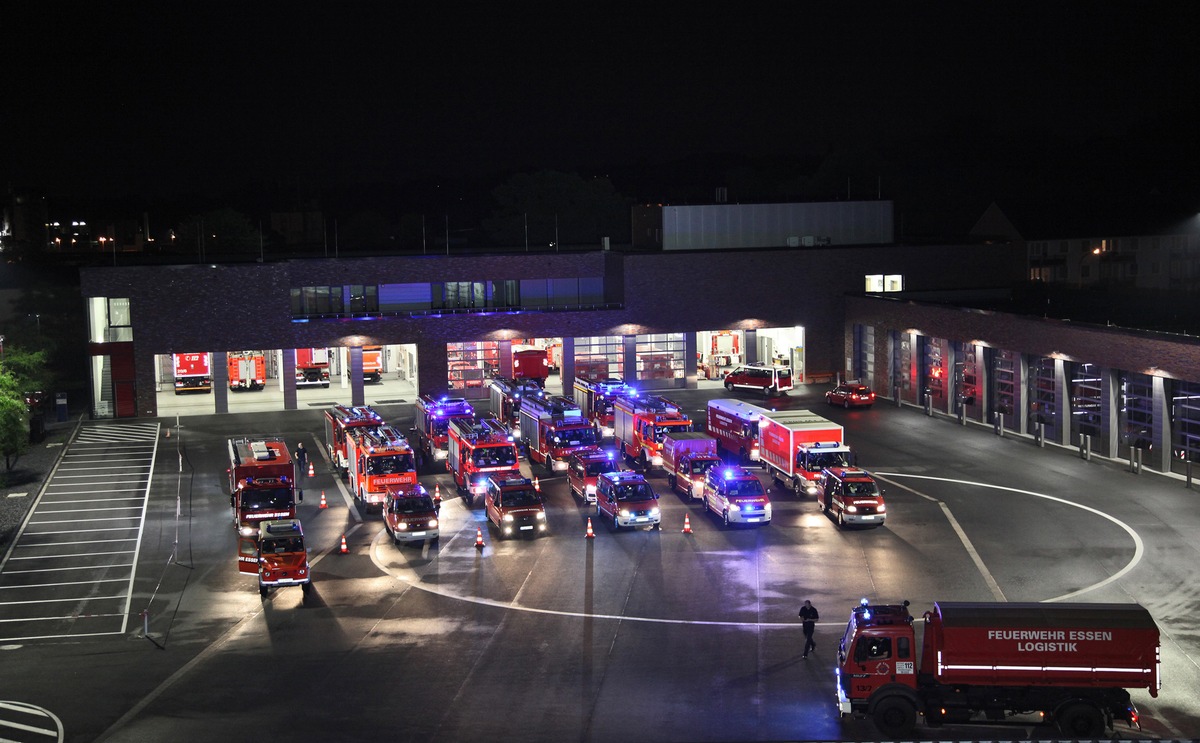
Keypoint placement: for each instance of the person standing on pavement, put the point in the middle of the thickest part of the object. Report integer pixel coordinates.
(302, 464)
(809, 617)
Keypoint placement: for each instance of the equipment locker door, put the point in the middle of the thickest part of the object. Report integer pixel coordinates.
(248, 555)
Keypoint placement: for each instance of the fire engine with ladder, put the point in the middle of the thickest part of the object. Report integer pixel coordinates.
(432, 417)
(596, 397)
(262, 482)
(640, 424)
(340, 421)
(506, 395)
(377, 458)
(476, 450)
(247, 370)
(553, 428)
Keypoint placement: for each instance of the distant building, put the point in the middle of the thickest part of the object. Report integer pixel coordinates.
(752, 226)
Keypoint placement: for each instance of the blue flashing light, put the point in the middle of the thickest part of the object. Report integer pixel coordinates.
(867, 614)
(610, 455)
(728, 474)
(863, 601)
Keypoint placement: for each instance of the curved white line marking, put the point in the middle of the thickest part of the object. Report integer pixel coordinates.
(1138, 548)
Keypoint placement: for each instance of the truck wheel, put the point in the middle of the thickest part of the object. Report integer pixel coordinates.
(616, 523)
(841, 519)
(725, 518)
(262, 590)
(671, 480)
(1081, 721)
(729, 387)
(846, 403)
(895, 717)
(305, 588)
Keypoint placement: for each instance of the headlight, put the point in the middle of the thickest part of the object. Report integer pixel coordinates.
(654, 511)
(851, 509)
(508, 518)
(735, 507)
(432, 523)
(591, 489)
(402, 526)
(882, 508)
(516, 432)
(624, 513)
(541, 515)
(248, 531)
(767, 508)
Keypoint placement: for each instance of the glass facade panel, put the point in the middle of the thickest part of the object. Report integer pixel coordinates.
(660, 356)
(470, 365)
(534, 293)
(1084, 388)
(1137, 412)
(1043, 397)
(600, 357)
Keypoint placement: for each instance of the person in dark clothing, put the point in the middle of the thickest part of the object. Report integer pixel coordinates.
(809, 617)
(302, 468)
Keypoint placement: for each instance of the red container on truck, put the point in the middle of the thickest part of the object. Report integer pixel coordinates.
(372, 361)
(797, 445)
(734, 424)
(640, 424)
(553, 428)
(262, 482)
(312, 367)
(247, 370)
(532, 364)
(192, 372)
(1072, 662)
(687, 457)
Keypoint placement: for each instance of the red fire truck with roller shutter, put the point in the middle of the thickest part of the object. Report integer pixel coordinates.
(687, 457)
(795, 446)
(372, 361)
(553, 428)
(262, 482)
(339, 422)
(641, 422)
(477, 451)
(378, 457)
(312, 367)
(432, 417)
(734, 424)
(1074, 663)
(532, 364)
(506, 396)
(192, 372)
(595, 397)
(247, 370)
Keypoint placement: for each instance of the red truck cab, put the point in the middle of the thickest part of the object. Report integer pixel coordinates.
(341, 420)
(277, 555)
(378, 457)
(432, 418)
(584, 467)
(515, 506)
(411, 514)
(262, 482)
(626, 499)
(477, 451)
(736, 495)
(687, 458)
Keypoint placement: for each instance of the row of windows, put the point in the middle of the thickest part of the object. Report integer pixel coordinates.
(477, 295)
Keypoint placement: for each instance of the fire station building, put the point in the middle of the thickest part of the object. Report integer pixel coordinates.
(676, 314)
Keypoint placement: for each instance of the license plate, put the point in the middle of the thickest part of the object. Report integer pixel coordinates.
(753, 520)
(641, 518)
(418, 533)
(526, 528)
(867, 518)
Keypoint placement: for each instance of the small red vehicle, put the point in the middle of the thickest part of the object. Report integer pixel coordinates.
(515, 506)
(766, 378)
(411, 514)
(626, 499)
(851, 396)
(584, 467)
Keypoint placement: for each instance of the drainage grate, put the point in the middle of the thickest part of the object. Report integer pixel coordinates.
(390, 402)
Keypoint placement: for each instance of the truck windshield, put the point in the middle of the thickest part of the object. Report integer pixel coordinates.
(514, 498)
(575, 437)
(390, 464)
(417, 504)
(744, 487)
(282, 545)
(267, 499)
(599, 468)
(438, 427)
(702, 466)
(494, 456)
(637, 491)
(862, 489)
(820, 461)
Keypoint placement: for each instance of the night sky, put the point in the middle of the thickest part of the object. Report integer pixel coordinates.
(926, 101)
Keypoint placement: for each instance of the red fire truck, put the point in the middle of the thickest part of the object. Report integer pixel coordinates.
(378, 457)
(640, 423)
(552, 428)
(593, 368)
(1073, 663)
(656, 366)
(192, 372)
(411, 514)
(312, 367)
(372, 361)
(275, 552)
(478, 450)
(797, 445)
(514, 505)
(687, 457)
(506, 396)
(262, 482)
(532, 364)
(431, 419)
(247, 370)
(734, 424)
(341, 420)
(596, 397)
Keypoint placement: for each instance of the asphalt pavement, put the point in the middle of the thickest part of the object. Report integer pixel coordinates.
(19, 486)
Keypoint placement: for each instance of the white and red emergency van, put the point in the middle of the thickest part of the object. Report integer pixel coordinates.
(378, 457)
(340, 420)
(734, 424)
(477, 450)
(553, 427)
(736, 496)
(431, 419)
(262, 482)
(247, 370)
(797, 445)
(411, 514)
(595, 397)
(193, 372)
(515, 506)
(626, 499)
(852, 497)
(640, 423)
(769, 379)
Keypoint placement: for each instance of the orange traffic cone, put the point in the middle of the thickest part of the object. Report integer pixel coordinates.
(537, 485)
(687, 523)
(311, 471)
(168, 432)
(479, 538)
(437, 493)
(324, 504)
(590, 534)
(345, 549)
